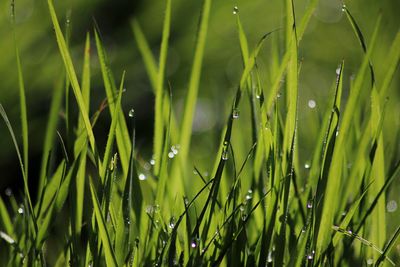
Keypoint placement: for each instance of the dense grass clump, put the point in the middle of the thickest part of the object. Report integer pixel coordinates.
(102, 204)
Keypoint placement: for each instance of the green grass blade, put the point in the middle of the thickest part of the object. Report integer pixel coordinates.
(103, 232)
(393, 61)
(22, 98)
(122, 133)
(151, 70)
(50, 133)
(306, 19)
(388, 247)
(158, 122)
(80, 142)
(148, 59)
(111, 133)
(5, 219)
(71, 74)
(333, 182)
(194, 82)
(25, 180)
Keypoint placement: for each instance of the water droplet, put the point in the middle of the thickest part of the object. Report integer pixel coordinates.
(131, 113)
(8, 192)
(391, 206)
(244, 217)
(309, 204)
(171, 155)
(142, 177)
(304, 229)
(269, 257)
(68, 21)
(278, 95)
(307, 165)
(258, 96)
(225, 155)
(152, 161)
(195, 172)
(350, 232)
(186, 200)
(312, 103)
(172, 222)
(235, 10)
(193, 244)
(370, 261)
(175, 149)
(338, 70)
(235, 114)
(249, 194)
(344, 8)
(21, 210)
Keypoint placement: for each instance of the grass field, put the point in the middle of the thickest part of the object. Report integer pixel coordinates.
(282, 179)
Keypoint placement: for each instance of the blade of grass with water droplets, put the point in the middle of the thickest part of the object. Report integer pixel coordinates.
(333, 181)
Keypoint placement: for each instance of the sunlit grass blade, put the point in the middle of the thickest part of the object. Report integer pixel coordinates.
(388, 247)
(122, 133)
(72, 74)
(360, 38)
(111, 133)
(103, 232)
(145, 51)
(393, 61)
(80, 142)
(334, 182)
(151, 70)
(158, 121)
(362, 240)
(194, 82)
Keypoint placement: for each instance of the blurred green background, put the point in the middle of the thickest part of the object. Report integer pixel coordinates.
(327, 41)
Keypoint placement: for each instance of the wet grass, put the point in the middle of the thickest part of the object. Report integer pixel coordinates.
(258, 207)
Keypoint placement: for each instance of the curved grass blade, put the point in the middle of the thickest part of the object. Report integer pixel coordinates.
(25, 180)
(360, 38)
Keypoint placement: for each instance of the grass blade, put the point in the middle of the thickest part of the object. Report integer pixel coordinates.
(103, 232)
(72, 74)
(158, 122)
